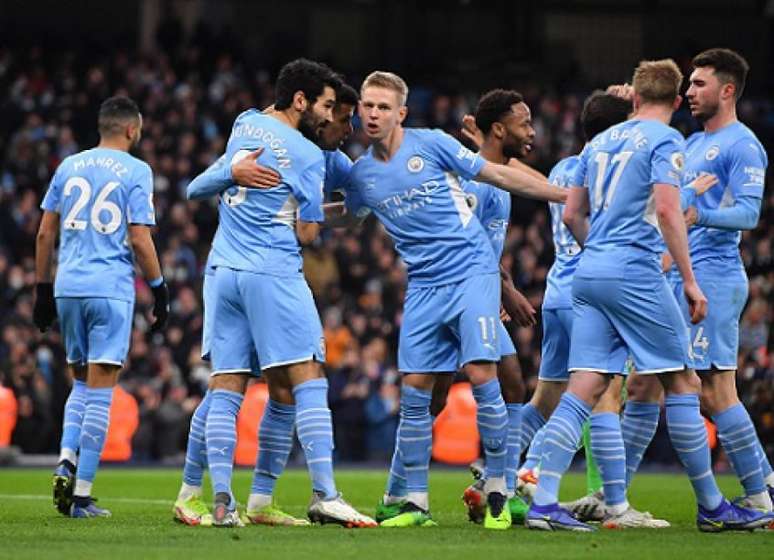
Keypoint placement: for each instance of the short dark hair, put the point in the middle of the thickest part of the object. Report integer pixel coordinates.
(115, 113)
(729, 66)
(493, 105)
(306, 76)
(601, 111)
(347, 95)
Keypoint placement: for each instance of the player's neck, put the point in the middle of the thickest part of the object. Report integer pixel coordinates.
(654, 112)
(288, 116)
(724, 117)
(494, 153)
(388, 146)
(114, 144)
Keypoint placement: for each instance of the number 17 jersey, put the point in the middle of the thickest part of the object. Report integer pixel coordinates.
(97, 194)
(619, 168)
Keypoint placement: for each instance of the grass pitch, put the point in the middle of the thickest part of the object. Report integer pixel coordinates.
(142, 526)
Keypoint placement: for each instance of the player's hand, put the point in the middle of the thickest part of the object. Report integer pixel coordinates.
(504, 317)
(520, 309)
(624, 91)
(160, 306)
(697, 301)
(691, 216)
(703, 183)
(247, 172)
(44, 311)
(471, 131)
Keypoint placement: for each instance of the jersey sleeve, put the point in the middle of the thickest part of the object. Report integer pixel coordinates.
(53, 198)
(578, 176)
(668, 161)
(308, 191)
(214, 180)
(452, 156)
(140, 204)
(337, 166)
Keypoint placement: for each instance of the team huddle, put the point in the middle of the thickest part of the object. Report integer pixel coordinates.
(647, 287)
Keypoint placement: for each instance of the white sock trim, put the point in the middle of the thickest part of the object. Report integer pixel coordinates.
(82, 488)
(187, 490)
(419, 499)
(69, 455)
(258, 501)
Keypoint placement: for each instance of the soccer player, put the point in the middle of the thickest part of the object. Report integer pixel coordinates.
(729, 150)
(97, 200)
(262, 302)
(277, 424)
(409, 179)
(622, 304)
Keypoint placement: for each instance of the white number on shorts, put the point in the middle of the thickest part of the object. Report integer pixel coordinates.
(621, 158)
(700, 341)
(102, 204)
(487, 328)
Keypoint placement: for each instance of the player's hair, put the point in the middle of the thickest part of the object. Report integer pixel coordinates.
(494, 105)
(347, 95)
(657, 81)
(729, 67)
(601, 111)
(306, 76)
(387, 80)
(115, 113)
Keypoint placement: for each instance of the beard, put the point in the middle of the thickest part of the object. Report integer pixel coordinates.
(707, 112)
(309, 126)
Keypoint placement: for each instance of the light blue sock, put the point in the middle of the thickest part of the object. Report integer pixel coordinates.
(740, 442)
(95, 426)
(220, 433)
(514, 445)
(608, 449)
(396, 481)
(275, 440)
(535, 450)
(766, 469)
(315, 432)
(531, 422)
(638, 426)
(74, 411)
(689, 439)
(415, 436)
(492, 421)
(196, 450)
(563, 435)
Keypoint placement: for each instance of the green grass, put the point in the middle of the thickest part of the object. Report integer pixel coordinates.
(142, 527)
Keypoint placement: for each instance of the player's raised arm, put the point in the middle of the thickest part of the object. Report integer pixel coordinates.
(519, 182)
(244, 171)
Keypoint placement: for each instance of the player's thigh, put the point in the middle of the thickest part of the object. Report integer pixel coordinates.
(109, 327)
(72, 321)
(475, 318)
(283, 318)
(557, 329)
(231, 349)
(425, 344)
(715, 340)
(595, 344)
(651, 324)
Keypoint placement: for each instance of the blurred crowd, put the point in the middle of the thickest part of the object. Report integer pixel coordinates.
(189, 98)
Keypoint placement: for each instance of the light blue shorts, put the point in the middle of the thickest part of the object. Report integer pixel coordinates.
(507, 348)
(270, 316)
(95, 330)
(555, 352)
(637, 316)
(714, 342)
(450, 325)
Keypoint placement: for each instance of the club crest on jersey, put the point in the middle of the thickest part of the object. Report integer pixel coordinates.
(678, 161)
(415, 164)
(712, 153)
(472, 201)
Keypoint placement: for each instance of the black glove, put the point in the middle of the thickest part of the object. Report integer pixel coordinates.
(160, 306)
(44, 312)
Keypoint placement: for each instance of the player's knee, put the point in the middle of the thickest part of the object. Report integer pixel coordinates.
(588, 385)
(281, 394)
(103, 375)
(440, 394)
(230, 382)
(547, 396)
(511, 381)
(480, 372)
(79, 372)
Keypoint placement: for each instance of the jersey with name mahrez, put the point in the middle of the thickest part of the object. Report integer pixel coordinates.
(735, 156)
(566, 250)
(492, 207)
(619, 167)
(418, 197)
(98, 193)
(256, 232)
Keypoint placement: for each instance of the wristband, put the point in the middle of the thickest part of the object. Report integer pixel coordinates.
(156, 282)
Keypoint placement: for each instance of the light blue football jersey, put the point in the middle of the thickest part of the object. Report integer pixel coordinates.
(492, 207)
(418, 197)
(97, 194)
(735, 156)
(337, 167)
(567, 251)
(619, 168)
(256, 232)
